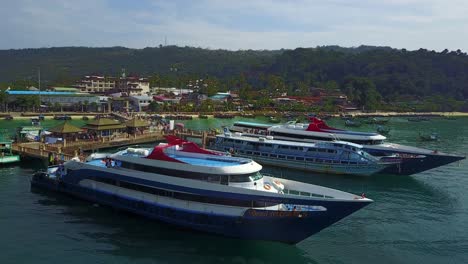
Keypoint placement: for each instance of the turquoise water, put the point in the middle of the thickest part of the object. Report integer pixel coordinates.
(417, 219)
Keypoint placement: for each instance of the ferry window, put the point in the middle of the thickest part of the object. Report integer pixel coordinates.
(241, 151)
(290, 158)
(256, 153)
(281, 156)
(318, 160)
(331, 151)
(311, 160)
(327, 161)
(273, 155)
(284, 147)
(265, 154)
(224, 180)
(239, 178)
(312, 149)
(213, 178)
(294, 148)
(237, 141)
(299, 158)
(322, 150)
(352, 162)
(256, 176)
(268, 145)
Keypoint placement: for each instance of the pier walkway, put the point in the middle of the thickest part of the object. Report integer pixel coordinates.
(67, 150)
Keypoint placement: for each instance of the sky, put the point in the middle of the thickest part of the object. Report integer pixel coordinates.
(235, 24)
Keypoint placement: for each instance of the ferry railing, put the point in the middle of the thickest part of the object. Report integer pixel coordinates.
(295, 192)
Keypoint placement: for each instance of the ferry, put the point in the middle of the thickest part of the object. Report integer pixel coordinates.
(413, 159)
(6, 154)
(337, 157)
(181, 184)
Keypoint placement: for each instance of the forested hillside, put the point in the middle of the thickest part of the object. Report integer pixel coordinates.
(394, 73)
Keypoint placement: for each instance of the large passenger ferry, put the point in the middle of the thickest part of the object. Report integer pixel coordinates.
(184, 185)
(413, 159)
(337, 157)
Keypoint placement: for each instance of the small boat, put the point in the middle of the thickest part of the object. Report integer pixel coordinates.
(222, 115)
(376, 121)
(383, 130)
(418, 119)
(35, 121)
(41, 117)
(183, 185)
(203, 116)
(62, 117)
(6, 154)
(85, 118)
(274, 119)
(429, 137)
(351, 123)
(248, 115)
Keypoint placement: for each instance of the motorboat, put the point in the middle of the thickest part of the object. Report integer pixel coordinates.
(189, 187)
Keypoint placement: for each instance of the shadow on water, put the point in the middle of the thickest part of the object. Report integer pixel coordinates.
(375, 186)
(141, 239)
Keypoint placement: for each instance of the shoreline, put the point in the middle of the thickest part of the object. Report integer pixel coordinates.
(79, 116)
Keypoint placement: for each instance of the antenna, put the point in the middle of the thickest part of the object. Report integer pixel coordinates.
(165, 40)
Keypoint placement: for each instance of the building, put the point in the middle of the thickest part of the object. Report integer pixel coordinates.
(130, 85)
(221, 97)
(96, 84)
(65, 89)
(104, 127)
(65, 99)
(140, 102)
(172, 90)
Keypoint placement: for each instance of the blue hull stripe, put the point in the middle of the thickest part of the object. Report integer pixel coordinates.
(286, 227)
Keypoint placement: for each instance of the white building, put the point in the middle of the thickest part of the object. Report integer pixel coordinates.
(140, 101)
(105, 85)
(96, 84)
(173, 90)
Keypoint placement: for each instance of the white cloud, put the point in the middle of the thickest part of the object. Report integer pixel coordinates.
(256, 24)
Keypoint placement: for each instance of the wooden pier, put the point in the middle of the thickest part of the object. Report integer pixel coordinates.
(80, 148)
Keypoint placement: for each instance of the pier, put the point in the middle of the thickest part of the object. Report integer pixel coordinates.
(80, 148)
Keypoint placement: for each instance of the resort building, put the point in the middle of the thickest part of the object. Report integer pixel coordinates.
(96, 84)
(130, 85)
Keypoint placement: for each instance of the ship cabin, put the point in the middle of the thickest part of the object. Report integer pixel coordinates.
(266, 147)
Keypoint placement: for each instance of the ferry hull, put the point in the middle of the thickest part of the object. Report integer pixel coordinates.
(411, 166)
(281, 226)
